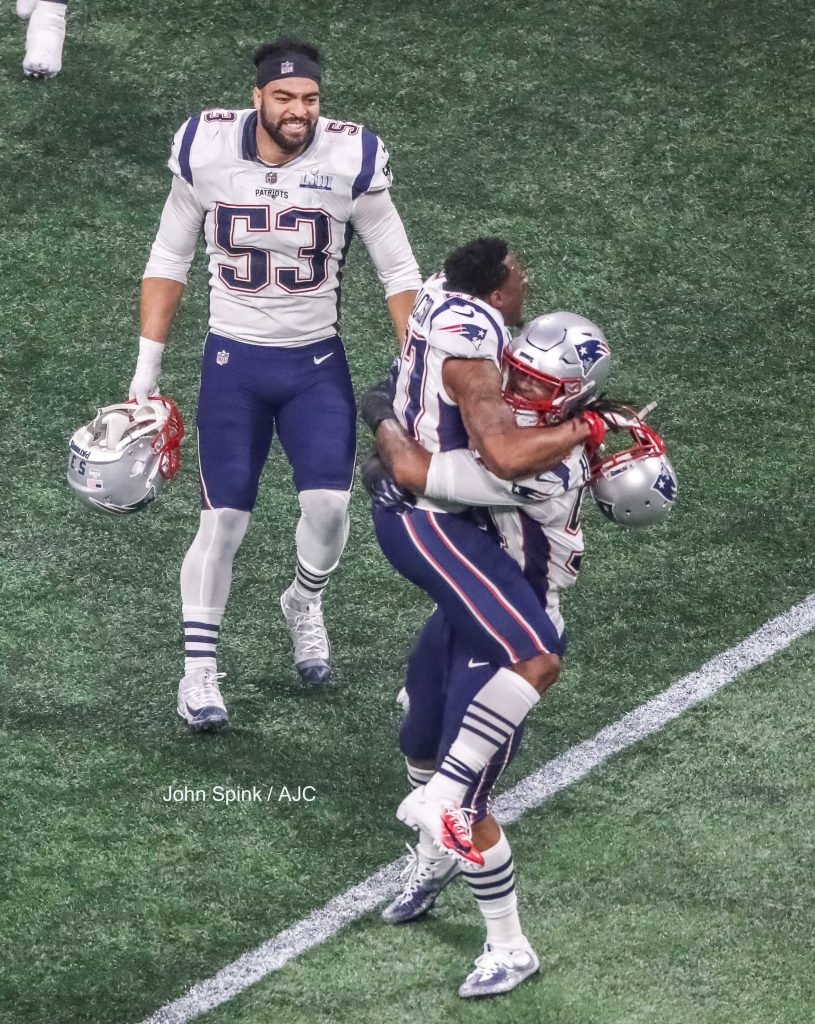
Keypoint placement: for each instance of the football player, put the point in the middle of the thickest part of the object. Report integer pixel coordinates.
(45, 36)
(279, 191)
(457, 663)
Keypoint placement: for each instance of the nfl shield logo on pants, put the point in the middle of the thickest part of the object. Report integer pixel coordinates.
(222, 358)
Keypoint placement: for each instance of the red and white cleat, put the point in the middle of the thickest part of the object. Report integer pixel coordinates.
(449, 827)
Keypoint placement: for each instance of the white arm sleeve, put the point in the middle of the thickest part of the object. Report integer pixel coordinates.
(456, 476)
(181, 223)
(377, 222)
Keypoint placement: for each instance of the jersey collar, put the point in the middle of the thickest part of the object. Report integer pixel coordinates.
(249, 142)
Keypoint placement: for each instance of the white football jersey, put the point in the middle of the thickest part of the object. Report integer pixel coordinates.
(538, 518)
(443, 324)
(276, 236)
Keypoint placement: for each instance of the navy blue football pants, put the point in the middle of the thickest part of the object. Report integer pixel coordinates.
(488, 616)
(250, 391)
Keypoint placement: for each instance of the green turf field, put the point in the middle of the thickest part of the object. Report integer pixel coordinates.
(653, 161)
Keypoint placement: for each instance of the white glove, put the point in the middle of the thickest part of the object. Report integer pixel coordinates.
(148, 370)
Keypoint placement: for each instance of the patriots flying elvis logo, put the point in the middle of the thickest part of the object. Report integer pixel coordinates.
(472, 332)
(591, 352)
(665, 483)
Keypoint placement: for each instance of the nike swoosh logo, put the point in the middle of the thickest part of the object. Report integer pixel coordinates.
(476, 664)
(464, 311)
(322, 359)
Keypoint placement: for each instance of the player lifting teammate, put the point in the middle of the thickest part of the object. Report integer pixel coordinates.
(494, 643)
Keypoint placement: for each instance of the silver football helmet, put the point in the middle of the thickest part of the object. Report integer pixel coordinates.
(566, 351)
(118, 462)
(636, 486)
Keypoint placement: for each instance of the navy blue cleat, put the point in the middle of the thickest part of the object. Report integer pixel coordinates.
(199, 700)
(425, 879)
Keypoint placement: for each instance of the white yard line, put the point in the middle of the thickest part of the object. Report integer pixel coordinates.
(531, 792)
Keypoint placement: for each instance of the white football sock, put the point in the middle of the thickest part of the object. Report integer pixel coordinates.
(493, 886)
(206, 578)
(491, 718)
(321, 535)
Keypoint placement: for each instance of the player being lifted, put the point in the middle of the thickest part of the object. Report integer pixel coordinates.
(278, 191)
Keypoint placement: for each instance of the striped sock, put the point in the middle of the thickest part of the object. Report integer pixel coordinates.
(491, 718)
(308, 584)
(417, 776)
(201, 629)
(493, 886)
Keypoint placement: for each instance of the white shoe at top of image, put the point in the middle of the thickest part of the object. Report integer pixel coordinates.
(312, 650)
(44, 40)
(24, 8)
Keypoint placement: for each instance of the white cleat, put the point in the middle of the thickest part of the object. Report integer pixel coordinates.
(449, 826)
(199, 699)
(44, 40)
(425, 879)
(312, 650)
(498, 971)
(24, 8)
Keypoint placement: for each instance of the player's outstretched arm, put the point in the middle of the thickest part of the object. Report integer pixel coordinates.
(507, 450)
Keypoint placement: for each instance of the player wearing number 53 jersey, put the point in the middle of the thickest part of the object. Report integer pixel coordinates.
(278, 192)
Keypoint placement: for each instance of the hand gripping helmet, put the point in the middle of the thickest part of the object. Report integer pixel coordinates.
(636, 486)
(566, 351)
(118, 462)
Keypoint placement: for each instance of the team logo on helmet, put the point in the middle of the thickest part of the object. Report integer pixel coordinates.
(591, 352)
(665, 483)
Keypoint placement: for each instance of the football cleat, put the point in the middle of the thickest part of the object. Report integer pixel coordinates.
(44, 41)
(25, 8)
(199, 700)
(312, 650)
(448, 826)
(499, 970)
(424, 880)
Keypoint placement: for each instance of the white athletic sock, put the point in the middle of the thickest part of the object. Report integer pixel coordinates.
(493, 886)
(426, 847)
(321, 535)
(492, 716)
(201, 629)
(206, 578)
